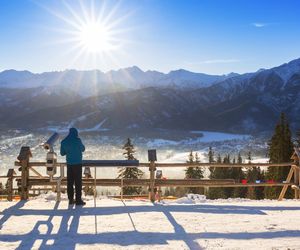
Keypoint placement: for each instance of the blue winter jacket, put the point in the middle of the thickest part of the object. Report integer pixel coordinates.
(72, 147)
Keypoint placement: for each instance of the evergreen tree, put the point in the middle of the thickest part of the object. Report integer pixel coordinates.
(218, 173)
(239, 159)
(211, 155)
(211, 160)
(238, 175)
(194, 172)
(130, 173)
(189, 170)
(197, 158)
(251, 177)
(229, 173)
(280, 150)
(253, 174)
(1, 188)
(190, 157)
(249, 157)
(219, 159)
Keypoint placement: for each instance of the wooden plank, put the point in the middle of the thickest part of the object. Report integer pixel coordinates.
(158, 182)
(285, 187)
(221, 165)
(152, 181)
(192, 182)
(167, 165)
(24, 179)
(110, 163)
(296, 180)
(92, 163)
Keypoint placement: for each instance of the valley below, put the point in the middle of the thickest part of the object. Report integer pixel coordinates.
(171, 146)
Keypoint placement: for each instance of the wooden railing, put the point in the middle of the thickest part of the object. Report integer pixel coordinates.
(26, 181)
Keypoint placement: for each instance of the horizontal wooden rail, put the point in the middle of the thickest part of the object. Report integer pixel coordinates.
(6, 177)
(110, 163)
(158, 182)
(222, 165)
(134, 164)
(92, 163)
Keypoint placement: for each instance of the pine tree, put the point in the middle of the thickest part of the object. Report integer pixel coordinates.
(189, 170)
(253, 174)
(229, 173)
(197, 158)
(211, 160)
(249, 157)
(251, 177)
(1, 188)
(238, 175)
(190, 157)
(130, 173)
(219, 159)
(194, 172)
(280, 150)
(211, 155)
(239, 159)
(217, 173)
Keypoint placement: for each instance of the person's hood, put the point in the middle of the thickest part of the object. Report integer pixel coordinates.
(73, 133)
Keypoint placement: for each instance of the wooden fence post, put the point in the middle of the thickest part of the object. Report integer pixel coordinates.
(296, 158)
(152, 158)
(298, 184)
(152, 181)
(285, 187)
(23, 157)
(10, 175)
(296, 181)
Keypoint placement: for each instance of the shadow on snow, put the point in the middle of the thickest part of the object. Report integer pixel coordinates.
(67, 236)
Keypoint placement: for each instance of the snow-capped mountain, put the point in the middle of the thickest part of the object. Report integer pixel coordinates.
(245, 103)
(88, 83)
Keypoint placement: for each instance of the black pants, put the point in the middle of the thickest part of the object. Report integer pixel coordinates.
(74, 176)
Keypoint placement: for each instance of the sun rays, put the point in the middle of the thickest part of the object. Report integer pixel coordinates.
(95, 32)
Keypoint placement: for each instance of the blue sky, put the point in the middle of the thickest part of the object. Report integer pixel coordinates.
(210, 36)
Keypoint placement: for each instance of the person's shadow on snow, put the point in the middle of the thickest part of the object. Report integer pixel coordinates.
(67, 236)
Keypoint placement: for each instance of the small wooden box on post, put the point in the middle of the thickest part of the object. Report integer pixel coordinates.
(23, 158)
(152, 158)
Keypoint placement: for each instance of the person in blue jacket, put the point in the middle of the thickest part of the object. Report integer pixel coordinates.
(72, 147)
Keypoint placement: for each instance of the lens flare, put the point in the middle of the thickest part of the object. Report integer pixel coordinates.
(95, 37)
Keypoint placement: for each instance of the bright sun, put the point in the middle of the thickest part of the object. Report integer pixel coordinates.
(95, 31)
(95, 37)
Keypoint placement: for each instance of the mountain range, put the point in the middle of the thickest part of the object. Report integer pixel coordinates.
(131, 99)
(96, 82)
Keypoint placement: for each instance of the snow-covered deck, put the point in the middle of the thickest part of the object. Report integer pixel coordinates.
(42, 223)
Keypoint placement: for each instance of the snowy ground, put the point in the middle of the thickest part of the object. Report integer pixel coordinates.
(42, 223)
